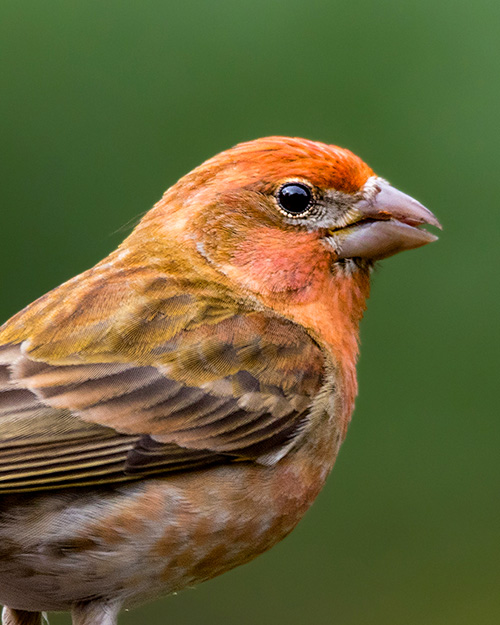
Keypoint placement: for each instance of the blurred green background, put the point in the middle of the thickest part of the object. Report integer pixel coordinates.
(104, 104)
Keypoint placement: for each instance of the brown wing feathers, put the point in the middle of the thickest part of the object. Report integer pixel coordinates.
(207, 390)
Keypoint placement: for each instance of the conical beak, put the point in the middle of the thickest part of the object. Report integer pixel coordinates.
(383, 225)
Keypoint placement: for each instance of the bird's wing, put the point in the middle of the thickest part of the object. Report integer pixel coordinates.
(110, 388)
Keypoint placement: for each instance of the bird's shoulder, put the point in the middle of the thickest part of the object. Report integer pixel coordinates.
(132, 372)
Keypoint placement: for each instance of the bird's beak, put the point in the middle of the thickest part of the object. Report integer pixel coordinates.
(383, 225)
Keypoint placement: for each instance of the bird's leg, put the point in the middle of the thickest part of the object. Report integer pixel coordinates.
(95, 613)
(20, 617)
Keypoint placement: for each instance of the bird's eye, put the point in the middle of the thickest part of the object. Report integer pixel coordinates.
(295, 198)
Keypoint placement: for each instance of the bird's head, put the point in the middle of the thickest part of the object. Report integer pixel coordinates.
(277, 214)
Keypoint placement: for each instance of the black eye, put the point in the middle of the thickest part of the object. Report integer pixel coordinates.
(295, 198)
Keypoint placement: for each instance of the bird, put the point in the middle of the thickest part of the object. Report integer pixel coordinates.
(173, 412)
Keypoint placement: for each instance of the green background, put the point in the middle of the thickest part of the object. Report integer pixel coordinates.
(104, 104)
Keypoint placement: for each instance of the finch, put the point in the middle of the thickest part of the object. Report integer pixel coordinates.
(173, 412)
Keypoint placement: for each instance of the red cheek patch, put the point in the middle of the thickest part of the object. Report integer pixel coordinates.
(275, 260)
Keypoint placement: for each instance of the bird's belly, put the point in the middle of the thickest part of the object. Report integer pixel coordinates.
(152, 537)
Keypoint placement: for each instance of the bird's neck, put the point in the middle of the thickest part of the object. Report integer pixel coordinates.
(298, 281)
(332, 314)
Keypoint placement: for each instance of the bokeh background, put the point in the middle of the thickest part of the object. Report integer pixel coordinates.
(105, 103)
